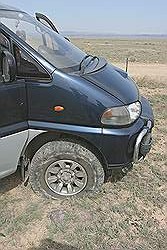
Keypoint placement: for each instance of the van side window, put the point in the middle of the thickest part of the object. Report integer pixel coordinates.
(4, 45)
(27, 68)
(1, 78)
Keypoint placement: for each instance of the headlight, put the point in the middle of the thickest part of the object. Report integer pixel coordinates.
(123, 115)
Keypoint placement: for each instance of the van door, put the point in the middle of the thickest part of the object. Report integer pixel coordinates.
(13, 116)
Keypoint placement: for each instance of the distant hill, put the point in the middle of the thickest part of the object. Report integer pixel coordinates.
(112, 35)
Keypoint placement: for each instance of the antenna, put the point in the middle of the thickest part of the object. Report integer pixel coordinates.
(126, 64)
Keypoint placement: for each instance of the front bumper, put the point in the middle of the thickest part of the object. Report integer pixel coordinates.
(122, 146)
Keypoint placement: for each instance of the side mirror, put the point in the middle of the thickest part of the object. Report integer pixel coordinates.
(8, 65)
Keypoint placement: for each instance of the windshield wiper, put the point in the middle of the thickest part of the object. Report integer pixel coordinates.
(88, 60)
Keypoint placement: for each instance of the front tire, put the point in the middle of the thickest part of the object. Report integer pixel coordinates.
(65, 168)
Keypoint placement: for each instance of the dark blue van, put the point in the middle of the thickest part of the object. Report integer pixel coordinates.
(66, 118)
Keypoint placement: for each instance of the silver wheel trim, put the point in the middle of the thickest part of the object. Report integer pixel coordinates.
(66, 177)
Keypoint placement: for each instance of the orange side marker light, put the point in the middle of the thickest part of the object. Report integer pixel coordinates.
(58, 108)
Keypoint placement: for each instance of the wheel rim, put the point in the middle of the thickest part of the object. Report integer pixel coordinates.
(66, 177)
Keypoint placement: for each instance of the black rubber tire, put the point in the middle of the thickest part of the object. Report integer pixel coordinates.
(69, 150)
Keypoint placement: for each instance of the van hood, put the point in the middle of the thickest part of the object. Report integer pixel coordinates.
(116, 82)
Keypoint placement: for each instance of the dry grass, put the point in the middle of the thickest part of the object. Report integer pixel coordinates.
(116, 50)
(128, 214)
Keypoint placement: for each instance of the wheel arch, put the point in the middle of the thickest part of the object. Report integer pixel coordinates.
(42, 138)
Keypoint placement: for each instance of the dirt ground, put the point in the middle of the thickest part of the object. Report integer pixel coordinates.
(130, 212)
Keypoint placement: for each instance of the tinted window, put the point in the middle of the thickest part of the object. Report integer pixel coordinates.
(1, 79)
(0, 64)
(27, 67)
(4, 43)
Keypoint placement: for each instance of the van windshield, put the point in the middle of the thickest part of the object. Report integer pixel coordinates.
(61, 53)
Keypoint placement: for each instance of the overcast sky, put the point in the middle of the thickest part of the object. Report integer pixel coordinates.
(106, 16)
